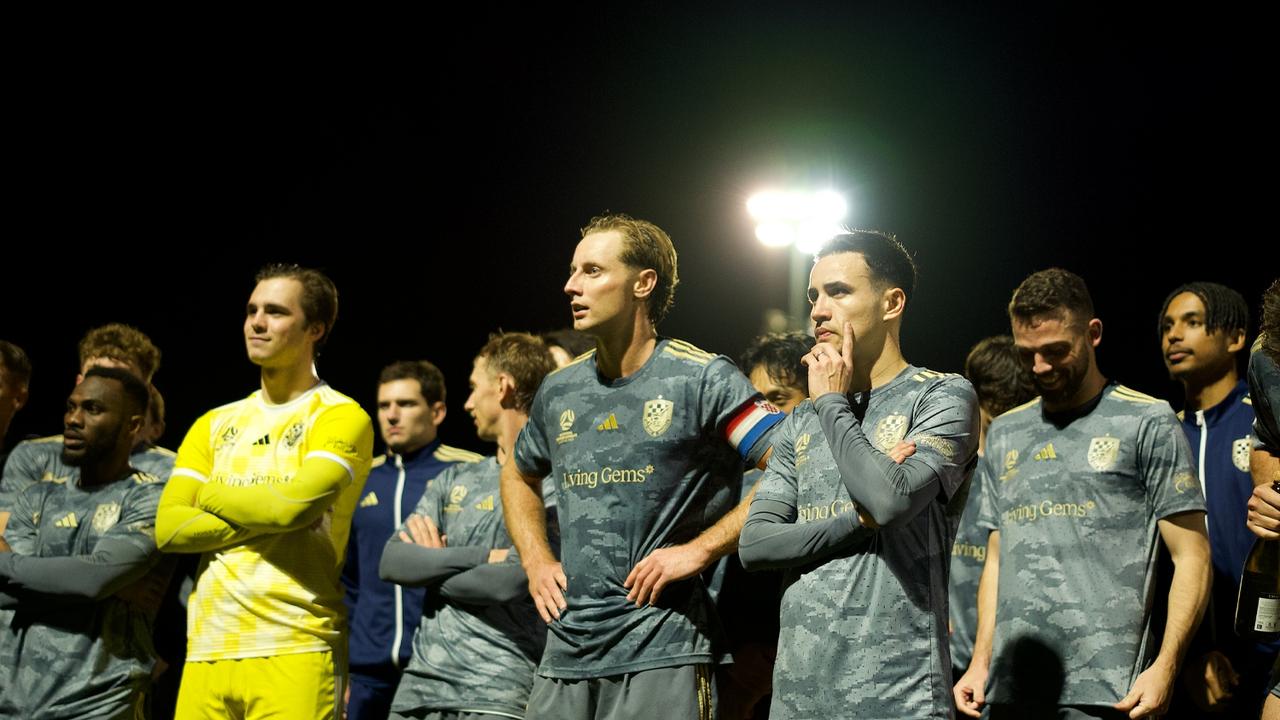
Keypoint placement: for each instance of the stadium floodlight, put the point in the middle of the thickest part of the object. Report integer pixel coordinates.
(805, 219)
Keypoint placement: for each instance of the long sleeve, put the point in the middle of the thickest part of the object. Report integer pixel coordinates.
(772, 539)
(416, 566)
(181, 527)
(487, 584)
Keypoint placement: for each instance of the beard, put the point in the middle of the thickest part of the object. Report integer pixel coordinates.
(1062, 385)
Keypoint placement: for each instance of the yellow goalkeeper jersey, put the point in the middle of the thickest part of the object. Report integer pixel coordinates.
(275, 594)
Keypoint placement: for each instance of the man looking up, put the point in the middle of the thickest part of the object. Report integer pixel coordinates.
(383, 615)
(476, 651)
(863, 533)
(79, 645)
(265, 488)
(645, 439)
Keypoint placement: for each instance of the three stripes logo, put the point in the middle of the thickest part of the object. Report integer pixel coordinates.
(485, 504)
(610, 423)
(263, 441)
(1046, 453)
(67, 521)
(369, 500)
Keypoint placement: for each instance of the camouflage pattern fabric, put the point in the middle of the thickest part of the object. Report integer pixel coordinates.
(968, 554)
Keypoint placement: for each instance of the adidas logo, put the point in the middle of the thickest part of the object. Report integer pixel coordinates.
(69, 521)
(369, 500)
(264, 440)
(1046, 453)
(610, 423)
(485, 504)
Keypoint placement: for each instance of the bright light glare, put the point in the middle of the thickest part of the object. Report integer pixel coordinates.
(811, 236)
(806, 218)
(775, 234)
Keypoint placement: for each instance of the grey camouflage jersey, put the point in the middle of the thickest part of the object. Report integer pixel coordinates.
(40, 460)
(640, 463)
(968, 554)
(471, 658)
(864, 632)
(1077, 510)
(76, 657)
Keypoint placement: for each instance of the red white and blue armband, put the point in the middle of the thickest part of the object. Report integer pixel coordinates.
(751, 422)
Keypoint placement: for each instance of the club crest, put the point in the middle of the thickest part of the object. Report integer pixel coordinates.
(1103, 452)
(890, 431)
(657, 416)
(105, 516)
(1240, 450)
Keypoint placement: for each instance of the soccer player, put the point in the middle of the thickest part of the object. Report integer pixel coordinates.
(383, 615)
(645, 439)
(1083, 485)
(1202, 331)
(863, 537)
(79, 643)
(477, 648)
(1002, 383)
(265, 488)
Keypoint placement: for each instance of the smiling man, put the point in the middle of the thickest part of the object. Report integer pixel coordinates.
(1081, 487)
(265, 487)
(863, 536)
(645, 440)
(383, 615)
(79, 643)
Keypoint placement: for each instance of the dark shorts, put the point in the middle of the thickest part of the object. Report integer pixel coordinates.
(1059, 712)
(686, 692)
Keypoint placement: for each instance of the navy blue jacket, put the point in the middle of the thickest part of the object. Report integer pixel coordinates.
(382, 616)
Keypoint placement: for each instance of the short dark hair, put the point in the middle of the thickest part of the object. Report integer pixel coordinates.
(430, 379)
(319, 294)
(1224, 308)
(779, 354)
(155, 411)
(124, 343)
(135, 391)
(17, 366)
(644, 246)
(998, 375)
(1270, 326)
(573, 341)
(890, 263)
(522, 356)
(1052, 292)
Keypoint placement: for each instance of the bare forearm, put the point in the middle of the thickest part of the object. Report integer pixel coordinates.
(1188, 595)
(1264, 466)
(988, 594)
(523, 511)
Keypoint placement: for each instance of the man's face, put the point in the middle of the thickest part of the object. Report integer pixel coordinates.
(95, 424)
(275, 328)
(1058, 351)
(1189, 349)
(841, 291)
(783, 396)
(13, 396)
(601, 288)
(406, 419)
(485, 401)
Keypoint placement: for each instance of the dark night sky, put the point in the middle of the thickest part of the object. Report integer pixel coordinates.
(441, 179)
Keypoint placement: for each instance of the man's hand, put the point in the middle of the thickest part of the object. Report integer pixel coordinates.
(1150, 692)
(661, 568)
(498, 555)
(830, 371)
(547, 583)
(422, 531)
(1209, 680)
(1264, 512)
(970, 691)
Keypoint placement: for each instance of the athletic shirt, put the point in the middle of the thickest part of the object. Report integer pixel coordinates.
(40, 460)
(968, 555)
(275, 594)
(471, 658)
(1076, 504)
(864, 634)
(1264, 389)
(639, 463)
(78, 658)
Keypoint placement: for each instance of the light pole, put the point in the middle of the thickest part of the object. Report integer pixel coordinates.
(803, 221)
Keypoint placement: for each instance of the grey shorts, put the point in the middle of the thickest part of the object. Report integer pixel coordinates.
(686, 692)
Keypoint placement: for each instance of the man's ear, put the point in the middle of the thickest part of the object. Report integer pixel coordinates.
(895, 303)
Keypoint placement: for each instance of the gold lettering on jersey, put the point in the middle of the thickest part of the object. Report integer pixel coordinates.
(969, 550)
(1010, 465)
(590, 479)
(1240, 450)
(566, 428)
(1049, 508)
(292, 435)
(657, 416)
(1184, 481)
(106, 515)
(836, 508)
(802, 449)
(890, 431)
(339, 445)
(945, 447)
(254, 479)
(1103, 452)
(51, 478)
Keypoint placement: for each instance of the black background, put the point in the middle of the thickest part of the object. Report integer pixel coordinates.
(439, 169)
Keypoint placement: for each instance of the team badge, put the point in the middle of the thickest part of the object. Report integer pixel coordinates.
(227, 438)
(457, 494)
(1103, 452)
(1240, 450)
(945, 447)
(105, 516)
(802, 449)
(1010, 465)
(1183, 482)
(292, 435)
(566, 428)
(890, 431)
(657, 416)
